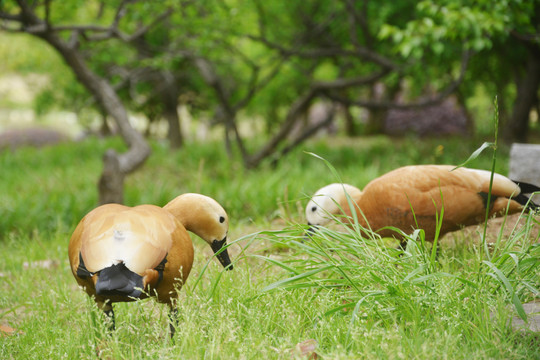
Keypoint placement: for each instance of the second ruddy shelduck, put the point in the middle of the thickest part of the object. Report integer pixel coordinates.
(119, 253)
(413, 197)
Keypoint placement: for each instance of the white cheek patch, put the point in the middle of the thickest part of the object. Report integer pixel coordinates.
(325, 202)
(319, 210)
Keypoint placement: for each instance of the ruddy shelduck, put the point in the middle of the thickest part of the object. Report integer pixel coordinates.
(119, 253)
(413, 197)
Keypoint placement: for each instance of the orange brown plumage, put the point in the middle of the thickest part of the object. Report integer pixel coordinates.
(411, 197)
(119, 253)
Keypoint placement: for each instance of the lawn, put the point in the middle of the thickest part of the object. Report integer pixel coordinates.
(355, 296)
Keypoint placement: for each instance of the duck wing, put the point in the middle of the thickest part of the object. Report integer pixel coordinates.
(138, 237)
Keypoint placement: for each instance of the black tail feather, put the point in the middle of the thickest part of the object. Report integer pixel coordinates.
(527, 188)
(119, 280)
(82, 271)
(524, 200)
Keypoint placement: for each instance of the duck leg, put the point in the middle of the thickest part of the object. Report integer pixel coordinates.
(402, 245)
(107, 309)
(110, 314)
(173, 318)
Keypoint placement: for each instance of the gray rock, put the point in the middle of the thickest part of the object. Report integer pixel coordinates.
(532, 310)
(525, 165)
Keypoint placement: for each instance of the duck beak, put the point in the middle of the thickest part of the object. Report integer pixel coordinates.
(223, 256)
(310, 231)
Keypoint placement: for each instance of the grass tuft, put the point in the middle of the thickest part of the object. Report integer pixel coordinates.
(371, 285)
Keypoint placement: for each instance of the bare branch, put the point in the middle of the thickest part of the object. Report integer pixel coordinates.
(261, 16)
(143, 30)
(252, 89)
(73, 41)
(306, 134)
(348, 83)
(297, 108)
(100, 33)
(528, 38)
(258, 86)
(360, 19)
(207, 71)
(352, 19)
(301, 104)
(451, 88)
(120, 13)
(106, 33)
(82, 28)
(10, 17)
(329, 52)
(47, 12)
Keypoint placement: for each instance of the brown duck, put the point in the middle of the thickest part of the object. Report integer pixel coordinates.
(119, 253)
(412, 197)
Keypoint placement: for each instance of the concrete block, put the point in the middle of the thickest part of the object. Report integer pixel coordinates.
(525, 165)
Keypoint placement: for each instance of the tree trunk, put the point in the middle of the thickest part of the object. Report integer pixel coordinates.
(350, 126)
(375, 123)
(227, 112)
(174, 135)
(462, 103)
(169, 95)
(111, 182)
(116, 166)
(376, 116)
(104, 129)
(527, 95)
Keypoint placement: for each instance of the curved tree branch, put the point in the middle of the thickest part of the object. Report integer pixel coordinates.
(116, 165)
(440, 96)
(360, 51)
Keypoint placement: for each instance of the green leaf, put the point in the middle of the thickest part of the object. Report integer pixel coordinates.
(519, 307)
(515, 300)
(413, 273)
(500, 276)
(386, 31)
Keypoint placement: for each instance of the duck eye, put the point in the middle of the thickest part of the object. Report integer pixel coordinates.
(221, 219)
(313, 209)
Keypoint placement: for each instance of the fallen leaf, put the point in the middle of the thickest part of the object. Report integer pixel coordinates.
(6, 330)
(305, 350)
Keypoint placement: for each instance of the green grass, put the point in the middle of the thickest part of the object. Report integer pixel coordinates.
(40, 188)
(449, 303)
(357, 297)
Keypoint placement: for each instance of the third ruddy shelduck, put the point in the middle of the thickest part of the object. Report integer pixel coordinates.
(412, 197)
(119, 253)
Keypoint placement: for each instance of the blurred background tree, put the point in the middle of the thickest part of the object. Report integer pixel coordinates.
(269, 75)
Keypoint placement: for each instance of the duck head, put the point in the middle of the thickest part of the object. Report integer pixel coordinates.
(206, 218)
(328, 201)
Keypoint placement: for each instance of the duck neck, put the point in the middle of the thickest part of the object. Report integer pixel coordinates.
(184, 212)
(201, 215)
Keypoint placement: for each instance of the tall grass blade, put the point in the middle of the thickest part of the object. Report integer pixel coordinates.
(476, 153)
(293, 279)
(498, 275)
(276, 262)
